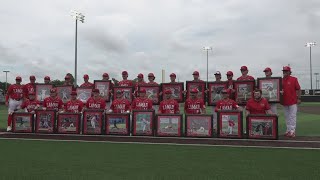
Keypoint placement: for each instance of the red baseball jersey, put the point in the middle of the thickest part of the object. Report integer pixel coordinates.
(15, 92)
(120, 105)
(258, 107)
(74, 106)
(230, 85)
(170, 106)
(53, 103)
(125, 83)
(87, 85)
(141, 104)
(226, 104)
(245, 78)
(231, 123)
(28, 88)
(194, 106)
(30, 105)
(290, 85)
(98, 103)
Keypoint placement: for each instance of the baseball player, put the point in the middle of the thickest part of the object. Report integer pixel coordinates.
(217, 76)
(218, 96)
(145, 124)
(268, 73)
(53, 102)
(244, 71)
(47, 80)
(196, 76)
(151, 79)
(67, 80)
(31, 104)
(74, 105)
(173, 77)
(30, 87)
(231, 125)
(105, 77)
(14, 99)
(226, 103)
(125, 81)
(94, 121)
(96, 102)
(142, 102)
(86, 83)
(120, 104)
(230, 84)
(138, 83)
(291, 94)
(168, 105)
(258, 104)
(194, 105)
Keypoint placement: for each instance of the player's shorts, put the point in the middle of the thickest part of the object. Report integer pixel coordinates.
(14, 105)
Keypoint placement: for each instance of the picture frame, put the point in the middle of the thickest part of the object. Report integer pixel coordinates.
(64, 92)
(117, 124)
(200, 85)
(83, 94)
(68, 123)
(198, 125)
(22, 122)
(92, 122)
(143, 122)
(230, 124)
(271, 88)
(244, 91)
(168, 125)
(152, 92)
(262, 127)
(214, 93)
(128, 92)
(43, 91)
(45, 121)
(104, 88)
(176, 88)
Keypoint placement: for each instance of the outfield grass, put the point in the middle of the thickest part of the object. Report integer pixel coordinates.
(24, 160)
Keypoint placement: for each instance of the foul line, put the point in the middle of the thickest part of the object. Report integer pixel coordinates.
(174, 144)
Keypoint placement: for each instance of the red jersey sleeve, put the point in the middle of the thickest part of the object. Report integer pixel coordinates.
(103, 104)
(128, 107)
(133, 104)
(267, 105)
(160, 110)
(44, 104)
(9, 92)
(60, 106)
(176, 107)
(24, 105)
(234, 105)
(150, 104)
(297, 85)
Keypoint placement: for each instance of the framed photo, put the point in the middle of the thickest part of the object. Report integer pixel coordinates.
(176, 88)
(271, 88)
(83, 94)
(118, 124)
(104, 88)
(152, 93)
(45, 121)
(92, 121)
(262, 127)
(22, 122)
(143, 123)
(64, 93)
(230, 124)
(168, 125)
(244, 91)
(68, 123)
(199, 125)
(214, 94)
(43, 91)
(200, 85)
(128, 92)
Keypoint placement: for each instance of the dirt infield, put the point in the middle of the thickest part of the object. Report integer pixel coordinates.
(309, 109)
(300, 142)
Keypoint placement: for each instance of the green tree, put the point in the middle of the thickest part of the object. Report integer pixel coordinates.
(57, 82)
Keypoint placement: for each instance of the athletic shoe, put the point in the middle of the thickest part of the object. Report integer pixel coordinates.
(292, 134)
(9, 128)
(287, 134)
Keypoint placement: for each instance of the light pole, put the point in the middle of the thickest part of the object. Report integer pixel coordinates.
(316, 74)
(310, 45)
(207, 48)
(6, 81)
(77, 16)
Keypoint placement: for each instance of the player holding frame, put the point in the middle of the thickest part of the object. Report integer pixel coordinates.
(194, 105)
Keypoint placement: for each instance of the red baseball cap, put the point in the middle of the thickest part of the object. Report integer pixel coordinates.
(195, 73)
(105, 75)
(140, 75)
(86, 76)
(150, 75)
(124, 73)
(73, 93)
(142, 91)
(53, 90)
(230, 73)
(95, 90)
(18, 78)
(32, 77)
(194, 90)
(168, 91)
(47, 78)
(286, 68)
(173, 75)
(267, 69)
(244, 68)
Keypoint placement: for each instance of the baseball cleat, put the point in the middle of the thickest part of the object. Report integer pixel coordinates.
(9, 128)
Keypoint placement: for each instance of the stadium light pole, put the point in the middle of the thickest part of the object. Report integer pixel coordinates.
(316, 74)
(6, 81)
(78, 17)
(310, 45)
(207, 48)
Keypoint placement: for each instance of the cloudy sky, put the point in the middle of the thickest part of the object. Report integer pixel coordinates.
(142, 36)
